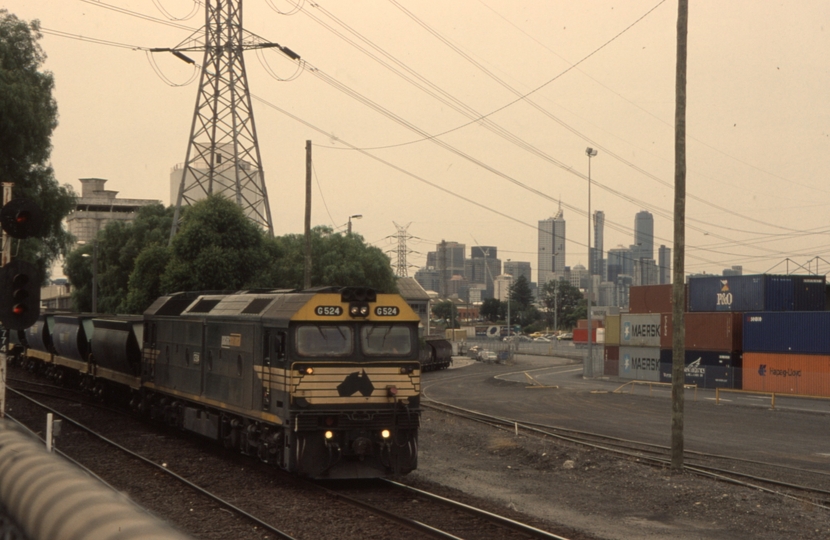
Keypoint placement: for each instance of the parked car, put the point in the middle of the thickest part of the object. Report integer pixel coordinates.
(567, 336)
(487, 356)
(541, 339)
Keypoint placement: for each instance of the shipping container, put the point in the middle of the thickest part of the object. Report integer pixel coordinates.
(798, 332)
(583, 323)
(640, 363)
(706, 369)
(706, 331)
(805, 374)
(650, 299)
(763, 292)
(611, 361)
(580, 335)
(640, 330)
(612, 330)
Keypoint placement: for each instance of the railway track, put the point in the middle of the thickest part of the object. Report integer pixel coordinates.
(806, 486)
(142, 461)
(426, 514)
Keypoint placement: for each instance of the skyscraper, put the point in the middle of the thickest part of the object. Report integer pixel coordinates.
(643, 247)
(596, 261)
(664, 265)
(551, 248)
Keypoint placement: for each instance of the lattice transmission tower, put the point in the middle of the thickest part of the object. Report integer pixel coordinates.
(223, 150)
(401, 266)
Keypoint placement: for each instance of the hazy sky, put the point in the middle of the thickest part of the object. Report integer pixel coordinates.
(598, 73)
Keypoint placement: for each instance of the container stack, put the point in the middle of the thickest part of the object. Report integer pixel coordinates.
(787, 352)
(754, 332)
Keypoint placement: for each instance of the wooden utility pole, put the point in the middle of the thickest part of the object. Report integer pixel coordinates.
(678, 277)
(307, 270)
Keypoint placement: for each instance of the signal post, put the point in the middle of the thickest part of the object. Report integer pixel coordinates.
(19, 286)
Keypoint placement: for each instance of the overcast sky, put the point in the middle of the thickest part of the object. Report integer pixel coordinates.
(594, 73)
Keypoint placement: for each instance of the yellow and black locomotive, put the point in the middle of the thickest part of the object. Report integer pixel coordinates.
(324, 383)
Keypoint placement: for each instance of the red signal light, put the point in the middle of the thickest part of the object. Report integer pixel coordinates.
(19, 309)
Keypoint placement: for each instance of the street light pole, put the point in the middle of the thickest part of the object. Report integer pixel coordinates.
(588, 368)
(508, 311)
(355, 216)
(95, 276)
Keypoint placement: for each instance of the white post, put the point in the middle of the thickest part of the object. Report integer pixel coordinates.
(48, 432)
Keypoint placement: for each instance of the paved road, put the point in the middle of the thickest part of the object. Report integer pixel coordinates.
(796, 432)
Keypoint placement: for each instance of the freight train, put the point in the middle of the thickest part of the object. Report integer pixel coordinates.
(324, 383)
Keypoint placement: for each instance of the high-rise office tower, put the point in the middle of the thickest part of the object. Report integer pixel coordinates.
(596, 261)
(643, 247)
(664, 265)
(551, 248)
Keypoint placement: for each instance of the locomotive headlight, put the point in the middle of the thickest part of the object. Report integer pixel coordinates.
(385, 433)
(306, 370)
(329, 435)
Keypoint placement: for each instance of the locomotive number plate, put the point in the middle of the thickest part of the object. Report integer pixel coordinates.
(329, 311)
(387, 311)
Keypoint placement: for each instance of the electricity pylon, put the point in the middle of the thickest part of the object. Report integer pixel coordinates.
(401, 268)
(223, 151)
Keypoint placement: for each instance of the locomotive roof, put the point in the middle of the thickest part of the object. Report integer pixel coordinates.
(272, 306)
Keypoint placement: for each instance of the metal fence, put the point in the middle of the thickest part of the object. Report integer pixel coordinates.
(562, 349)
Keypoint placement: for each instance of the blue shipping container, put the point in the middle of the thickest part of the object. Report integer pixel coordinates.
(797, 332)
(763, 292)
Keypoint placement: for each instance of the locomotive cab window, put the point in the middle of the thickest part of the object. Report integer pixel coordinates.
(324, 340)
(386, 340)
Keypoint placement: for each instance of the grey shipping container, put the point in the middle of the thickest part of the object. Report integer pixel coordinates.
(640, 363)
(640, 330)
(762, 292)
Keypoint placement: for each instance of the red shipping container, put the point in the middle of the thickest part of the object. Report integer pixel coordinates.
(650, 299)
(611, 361)
(581, 335)
(706, 331)
(583, 323)
(805, 374)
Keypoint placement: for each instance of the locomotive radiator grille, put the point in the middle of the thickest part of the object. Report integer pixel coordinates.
(374, 420)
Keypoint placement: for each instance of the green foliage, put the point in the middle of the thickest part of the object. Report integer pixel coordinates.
(145, 279)
(216, 248)
(490, 309)
(337, 260)
(565, 300)
(447, 311)
(28, 116)
(521, 293)
(119, 244)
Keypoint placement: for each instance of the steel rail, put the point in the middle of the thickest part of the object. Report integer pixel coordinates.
(708, 471)
(501, 520)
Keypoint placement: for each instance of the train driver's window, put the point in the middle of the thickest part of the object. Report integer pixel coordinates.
(324, 340)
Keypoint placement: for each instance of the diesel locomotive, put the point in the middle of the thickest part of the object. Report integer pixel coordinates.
(324, 383)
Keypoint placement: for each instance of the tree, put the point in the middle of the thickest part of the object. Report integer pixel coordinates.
(490, 309)
(447, 311)
(28, 116)
(216, 248)
(521, 293)
(119, 244)
(565, 300)
(337, 260)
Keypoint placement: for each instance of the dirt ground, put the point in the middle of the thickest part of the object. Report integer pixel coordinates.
(602, 495)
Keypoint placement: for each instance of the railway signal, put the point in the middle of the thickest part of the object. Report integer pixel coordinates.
(19, 295)
(21, 218)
